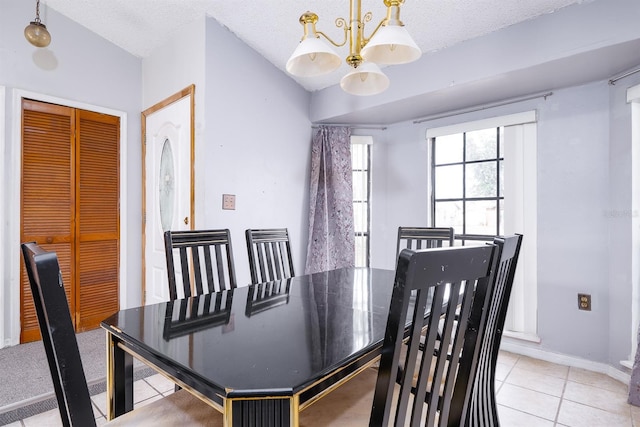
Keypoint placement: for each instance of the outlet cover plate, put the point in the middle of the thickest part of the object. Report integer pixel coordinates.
(229, 201)
(584, 302)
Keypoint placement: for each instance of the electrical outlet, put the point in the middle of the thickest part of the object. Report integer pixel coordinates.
(229, 201)
(584, 302)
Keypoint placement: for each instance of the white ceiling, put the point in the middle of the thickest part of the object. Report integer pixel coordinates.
(272, 27)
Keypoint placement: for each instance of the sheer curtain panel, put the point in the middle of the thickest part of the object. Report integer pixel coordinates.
(331, 232)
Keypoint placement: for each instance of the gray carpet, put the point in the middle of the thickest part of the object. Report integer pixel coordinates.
(25, 382)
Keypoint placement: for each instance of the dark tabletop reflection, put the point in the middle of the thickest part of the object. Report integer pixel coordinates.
(265, 296)
(278, 336)
(195, 314)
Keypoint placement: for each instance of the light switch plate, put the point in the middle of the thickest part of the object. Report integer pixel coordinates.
(229, 201)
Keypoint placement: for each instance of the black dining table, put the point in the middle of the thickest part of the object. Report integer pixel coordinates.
(261, 353)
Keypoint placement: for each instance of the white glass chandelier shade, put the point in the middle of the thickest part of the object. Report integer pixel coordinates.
(365, 80)
(313, 57)
(391, 44)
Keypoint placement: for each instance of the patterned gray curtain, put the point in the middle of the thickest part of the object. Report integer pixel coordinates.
(331, 233)
(634, 384)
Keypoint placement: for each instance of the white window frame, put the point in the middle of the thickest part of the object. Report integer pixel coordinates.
(520, 182)
(633, 98)
(3, 318)
(366, 140)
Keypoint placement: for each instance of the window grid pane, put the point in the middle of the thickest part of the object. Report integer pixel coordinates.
(468, 184)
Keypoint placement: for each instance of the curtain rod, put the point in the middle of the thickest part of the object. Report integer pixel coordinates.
(615, 79)
(483, 107)
(315, 126)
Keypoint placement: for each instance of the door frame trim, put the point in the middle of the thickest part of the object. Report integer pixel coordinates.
(188, 91)
(11, 257)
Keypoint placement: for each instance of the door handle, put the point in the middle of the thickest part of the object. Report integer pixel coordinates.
(186, 220)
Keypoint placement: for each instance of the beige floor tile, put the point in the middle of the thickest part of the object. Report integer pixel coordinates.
(142, 391)
(529, 401)
(606, 400)
(160, 383)
(100, 401)
(574, 414)
(635, 415)
(502, 370)
(512, 417)
(536, 381)
(543, 367)
(147, 401)
(507, 358)
(101, 421)
(597, 379)
(46, 419)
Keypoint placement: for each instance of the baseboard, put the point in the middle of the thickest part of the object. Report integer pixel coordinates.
(513, 346)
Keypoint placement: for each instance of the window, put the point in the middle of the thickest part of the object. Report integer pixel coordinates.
(361, 168)
(468, 184)
(483, 175)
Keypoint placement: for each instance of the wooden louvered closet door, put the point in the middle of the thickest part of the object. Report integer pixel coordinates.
(70, 204)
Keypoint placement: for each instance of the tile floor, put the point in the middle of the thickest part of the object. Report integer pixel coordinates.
(530, 393)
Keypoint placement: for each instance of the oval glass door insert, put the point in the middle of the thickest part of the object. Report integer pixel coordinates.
(166, 186)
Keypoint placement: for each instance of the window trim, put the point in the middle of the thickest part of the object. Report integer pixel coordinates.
(633, 98)
(521, 128)
(368, 142)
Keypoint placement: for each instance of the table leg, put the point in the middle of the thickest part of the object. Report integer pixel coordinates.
(119, 379)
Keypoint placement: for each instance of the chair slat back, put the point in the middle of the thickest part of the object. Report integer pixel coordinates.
(206, 262)
(58, 336)
(482, 409)
(426, 281)
(269, 254)
(417, 238)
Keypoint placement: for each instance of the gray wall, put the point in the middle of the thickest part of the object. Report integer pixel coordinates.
(252, 120)
(256, 146)
(82, 68)
(584, 191)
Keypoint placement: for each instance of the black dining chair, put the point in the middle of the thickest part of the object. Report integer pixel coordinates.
(205, 260)
(483, 411)
(432, 390)
(417, 238)
(269, 254)
(65, 365)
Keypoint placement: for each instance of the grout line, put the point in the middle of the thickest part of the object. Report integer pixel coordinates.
(564, 387)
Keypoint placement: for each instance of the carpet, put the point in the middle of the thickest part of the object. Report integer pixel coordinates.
(25, 381)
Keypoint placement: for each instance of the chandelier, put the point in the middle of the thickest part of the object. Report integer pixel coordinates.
(390, 43)
(36, 32)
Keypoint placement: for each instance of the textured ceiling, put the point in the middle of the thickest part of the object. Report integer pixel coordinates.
(272, 27)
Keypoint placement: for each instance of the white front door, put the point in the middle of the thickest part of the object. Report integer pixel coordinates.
(168, 187)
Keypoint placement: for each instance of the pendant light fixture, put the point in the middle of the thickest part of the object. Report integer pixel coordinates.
(36, 32)
(390, 43)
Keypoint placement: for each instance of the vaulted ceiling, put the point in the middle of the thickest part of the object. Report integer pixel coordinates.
(272, 27)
